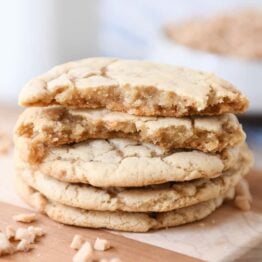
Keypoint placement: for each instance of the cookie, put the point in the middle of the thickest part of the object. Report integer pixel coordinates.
(136, 87)
(43, 127)
(126, 163)
(159, 198)
(119, 220)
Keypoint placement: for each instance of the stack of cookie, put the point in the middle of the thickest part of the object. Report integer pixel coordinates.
(129, 145)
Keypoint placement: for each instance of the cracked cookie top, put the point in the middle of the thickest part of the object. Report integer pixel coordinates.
(136, 87)
(155, 198)
(126, 163)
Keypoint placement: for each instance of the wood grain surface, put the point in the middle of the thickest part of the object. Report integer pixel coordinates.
(55, 245)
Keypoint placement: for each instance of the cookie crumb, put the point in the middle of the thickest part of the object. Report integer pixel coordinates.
(84, 254)
(24, 246)
(25, 234)
(6, 246)
(242, 203)
(213, 221)
(201, 224)
(10, 232)
(243, 197)
(101, 244)
(38, 231)
(25, 218)
(77, 242)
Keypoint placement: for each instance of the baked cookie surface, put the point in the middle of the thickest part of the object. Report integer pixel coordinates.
(119, 220)
(41, 128)
(136, 87)
(126, 163)
(157, 198)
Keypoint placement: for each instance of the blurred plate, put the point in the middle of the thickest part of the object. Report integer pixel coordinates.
(246, 75)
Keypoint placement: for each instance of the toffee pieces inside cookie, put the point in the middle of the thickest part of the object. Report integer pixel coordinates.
(39, 129)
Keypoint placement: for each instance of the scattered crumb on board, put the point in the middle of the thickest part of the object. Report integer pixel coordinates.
(25, 218)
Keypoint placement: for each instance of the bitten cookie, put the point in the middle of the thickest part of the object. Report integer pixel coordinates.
(136, 87)
(54, 126)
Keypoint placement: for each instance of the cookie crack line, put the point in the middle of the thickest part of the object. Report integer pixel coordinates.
(104, 69)
(136, 87)
(134, 171)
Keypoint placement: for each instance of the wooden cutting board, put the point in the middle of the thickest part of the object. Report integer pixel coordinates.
(55, 245)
